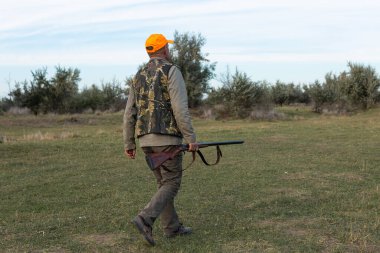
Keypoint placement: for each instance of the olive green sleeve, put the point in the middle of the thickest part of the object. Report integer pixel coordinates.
(129, 121)
(179, 101)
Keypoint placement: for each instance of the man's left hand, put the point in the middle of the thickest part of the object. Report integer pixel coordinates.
(131, 153)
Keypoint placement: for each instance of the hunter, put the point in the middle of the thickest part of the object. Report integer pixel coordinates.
(157, 114)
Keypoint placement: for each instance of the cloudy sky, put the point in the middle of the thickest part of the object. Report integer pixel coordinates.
(288, 40)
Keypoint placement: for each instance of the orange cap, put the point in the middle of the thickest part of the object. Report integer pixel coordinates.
(155, 42)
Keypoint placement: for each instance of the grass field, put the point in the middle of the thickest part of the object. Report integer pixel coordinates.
(306, 184)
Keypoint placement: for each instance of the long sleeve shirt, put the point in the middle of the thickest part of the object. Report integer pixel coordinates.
(179, 102)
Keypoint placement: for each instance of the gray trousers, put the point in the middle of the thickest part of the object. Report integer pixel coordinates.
(162, 203)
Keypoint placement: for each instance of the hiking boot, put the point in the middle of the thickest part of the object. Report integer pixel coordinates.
(144, 229)
(182, 230)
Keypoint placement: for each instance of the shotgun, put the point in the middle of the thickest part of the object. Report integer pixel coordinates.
(155, 160)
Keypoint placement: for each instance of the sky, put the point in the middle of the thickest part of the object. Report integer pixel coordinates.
(289, 40)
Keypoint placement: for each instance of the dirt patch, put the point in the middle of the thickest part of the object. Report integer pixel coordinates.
(348, 176)
(100, 239)
(289, 223)
(294, 227)
(40, 136)
(298, 175)
(304, 228)
(276, 138)
(291, 192)
(243, 246)
(49, 136)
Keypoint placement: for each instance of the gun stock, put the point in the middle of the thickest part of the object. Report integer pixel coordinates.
(155, 160)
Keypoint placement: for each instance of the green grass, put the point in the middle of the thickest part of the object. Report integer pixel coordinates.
(306, 184)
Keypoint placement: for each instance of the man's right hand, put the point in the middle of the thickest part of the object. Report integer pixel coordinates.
(193, 147)
(131, 153)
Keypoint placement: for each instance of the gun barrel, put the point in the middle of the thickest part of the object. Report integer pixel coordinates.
(220, 143)
(208, 144)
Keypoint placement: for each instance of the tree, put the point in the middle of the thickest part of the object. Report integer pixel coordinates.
(356, 89)
(38, 97)
(283, 93)
(34, 95)
(5, 105)
(329, 94)
(17, 96)
(279, 93)
(318, 95)
(110, 96)
(113, 95)
(239, 95)
(90, 98)
(197, 72)
(64, 87)
(362, 85)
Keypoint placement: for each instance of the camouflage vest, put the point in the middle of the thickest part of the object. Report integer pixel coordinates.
(154, 112)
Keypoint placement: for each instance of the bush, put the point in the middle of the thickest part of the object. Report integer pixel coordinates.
(18, 110)
(60, 94)
(362, 86)
(287, 94)
(356, 89)
(265, 114)
(238, 96)
(5, 105)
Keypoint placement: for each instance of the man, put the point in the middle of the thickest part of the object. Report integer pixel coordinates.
(157, 113)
